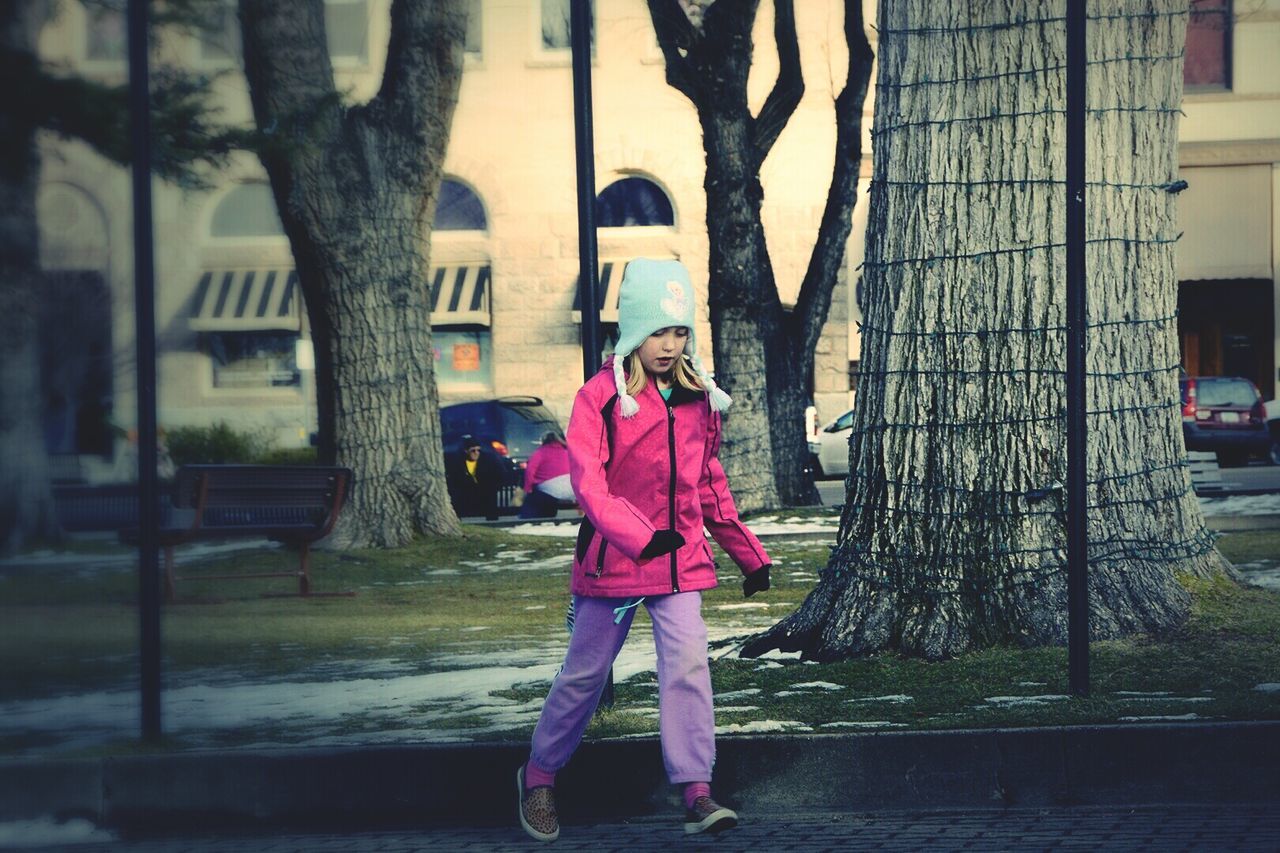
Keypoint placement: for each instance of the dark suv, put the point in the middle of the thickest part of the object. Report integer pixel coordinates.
(1224, 414)
(511, 427)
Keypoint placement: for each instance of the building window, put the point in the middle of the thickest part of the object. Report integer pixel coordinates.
(249, 210)
(555, 25)
(105, 34)
(475, 31)
(254, 360)
(1207, 64)
(462, 357)
(346, 24)
(633, 202)
(458, 209)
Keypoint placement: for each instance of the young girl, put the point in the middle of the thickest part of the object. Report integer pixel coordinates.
(643, 443)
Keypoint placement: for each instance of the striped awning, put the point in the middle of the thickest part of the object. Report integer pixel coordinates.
(460, 295)
(266, 299)
(610, 284)
(247, 301)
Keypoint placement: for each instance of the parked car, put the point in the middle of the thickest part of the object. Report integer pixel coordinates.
(511, 427)
(829, 449)
(1272, 408)
(1225, 415)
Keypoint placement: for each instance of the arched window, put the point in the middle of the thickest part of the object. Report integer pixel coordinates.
(249, 210)
(459, 209)
(633, 202)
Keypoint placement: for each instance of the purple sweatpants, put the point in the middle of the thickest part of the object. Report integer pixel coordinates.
(686, 722)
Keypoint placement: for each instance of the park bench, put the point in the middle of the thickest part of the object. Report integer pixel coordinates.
(294, 504)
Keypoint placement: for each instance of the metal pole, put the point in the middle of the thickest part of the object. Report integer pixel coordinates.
(145, 325)
(588, 276)
(1077, 503)
(580, 25)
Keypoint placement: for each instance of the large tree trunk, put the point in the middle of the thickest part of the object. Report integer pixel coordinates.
(953, 533)
(356, 188)
(26, 500)
(763, 356)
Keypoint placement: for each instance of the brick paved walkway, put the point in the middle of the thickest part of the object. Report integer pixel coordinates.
(1166, 829)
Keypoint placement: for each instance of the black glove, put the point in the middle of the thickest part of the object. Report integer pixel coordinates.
(757, 581)
(663, 542)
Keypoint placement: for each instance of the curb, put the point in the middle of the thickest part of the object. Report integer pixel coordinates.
(381, 787)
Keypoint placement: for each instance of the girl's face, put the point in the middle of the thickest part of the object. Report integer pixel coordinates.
(660, 350)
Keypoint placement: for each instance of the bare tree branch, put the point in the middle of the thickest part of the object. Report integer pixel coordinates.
(833, 234)
(427, 46)
(676, 37)
(787, 89)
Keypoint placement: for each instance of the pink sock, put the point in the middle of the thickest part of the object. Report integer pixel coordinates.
(536, 777)
(694, 790)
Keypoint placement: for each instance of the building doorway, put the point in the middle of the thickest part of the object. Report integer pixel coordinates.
(1226, 328)
(76, 368)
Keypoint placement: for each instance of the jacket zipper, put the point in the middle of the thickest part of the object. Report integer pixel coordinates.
(671, 492)
(604, 543)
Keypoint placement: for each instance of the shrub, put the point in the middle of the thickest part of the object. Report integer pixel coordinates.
(215, 445)
(288, 456)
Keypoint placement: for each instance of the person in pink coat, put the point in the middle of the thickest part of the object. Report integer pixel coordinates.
(644, 438)
(546, 479)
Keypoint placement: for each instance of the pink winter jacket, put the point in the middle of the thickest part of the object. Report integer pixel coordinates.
(656, 470)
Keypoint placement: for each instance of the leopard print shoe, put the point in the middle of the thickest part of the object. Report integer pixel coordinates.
(537, 810)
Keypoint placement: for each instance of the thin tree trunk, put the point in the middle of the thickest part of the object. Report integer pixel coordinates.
(953, 533)
(27, 510)
(356, 189)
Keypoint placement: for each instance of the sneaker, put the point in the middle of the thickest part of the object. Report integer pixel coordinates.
(537, 810)
(709, 816)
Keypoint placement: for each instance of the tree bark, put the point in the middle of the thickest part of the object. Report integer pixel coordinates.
(356, 187)
(763, 357)
(953, 532)
(27, 510)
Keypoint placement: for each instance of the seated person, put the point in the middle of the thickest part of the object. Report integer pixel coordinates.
(546, 479)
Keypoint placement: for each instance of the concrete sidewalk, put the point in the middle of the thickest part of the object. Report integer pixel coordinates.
(1240, 828)
(415, 787)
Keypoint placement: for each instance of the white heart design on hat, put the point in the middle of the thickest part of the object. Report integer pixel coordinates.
(677, 304)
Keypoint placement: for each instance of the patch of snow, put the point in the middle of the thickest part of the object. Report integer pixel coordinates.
(897, 698)
(45, 831)
(1241, 505)
(1012, 701)
(864, 724)
(1168, 699)
(1032, 684)
(746, 605)
(566, 530)
(741, 709)
(822, 685)
(763, 726)
(1267, 687)
(769, 657)
(739, 694)
(789, 526)
(513, 555)
(536, 607)
(1141, 693)
(442, 572)
(473, 628)
(1161, 718)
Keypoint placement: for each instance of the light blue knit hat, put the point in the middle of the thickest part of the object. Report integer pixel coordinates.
(656, 295)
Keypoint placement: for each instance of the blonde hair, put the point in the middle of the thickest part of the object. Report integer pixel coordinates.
(681, 374)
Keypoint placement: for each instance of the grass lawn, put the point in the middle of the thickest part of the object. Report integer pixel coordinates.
(441, 606)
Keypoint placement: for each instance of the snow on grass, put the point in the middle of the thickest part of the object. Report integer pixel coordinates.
(738, 694)
(45, 832)
(1013, 701)
(896, 698)
(738, 709)
(1162, 718)
(1267, 687)
(1142, 693)
(757, 726)
(536, 607)
(1241, 505)
(864, 724)
(1168, 699)
(746, 605)
(818, 685)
